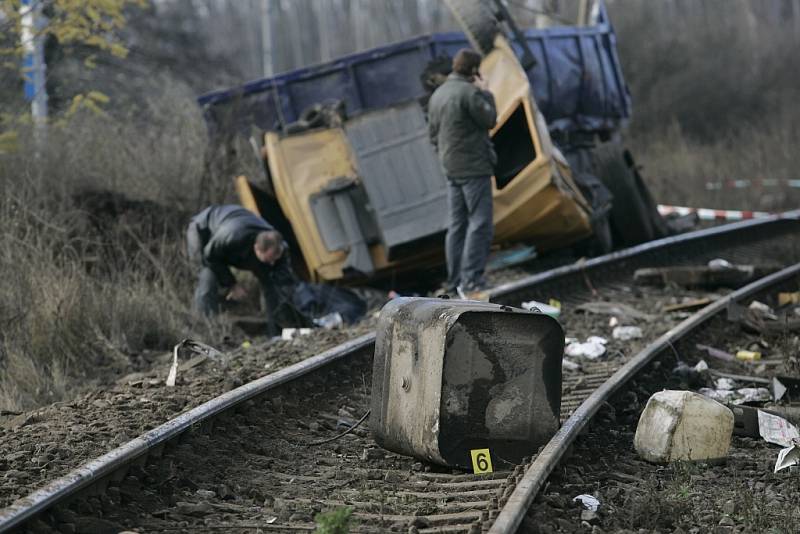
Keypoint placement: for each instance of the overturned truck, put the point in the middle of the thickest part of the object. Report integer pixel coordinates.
(353, 182)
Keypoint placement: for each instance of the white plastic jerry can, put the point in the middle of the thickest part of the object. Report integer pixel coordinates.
(451, 377)
(683, 425)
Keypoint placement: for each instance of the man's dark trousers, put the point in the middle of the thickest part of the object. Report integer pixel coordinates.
(470, 231)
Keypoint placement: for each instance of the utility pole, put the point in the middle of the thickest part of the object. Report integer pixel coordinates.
(267, 60)
(33, 66)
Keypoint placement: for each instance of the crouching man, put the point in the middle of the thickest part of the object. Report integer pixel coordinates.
(220, 237)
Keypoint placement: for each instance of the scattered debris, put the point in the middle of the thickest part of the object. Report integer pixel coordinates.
(202, 351)
(781, 385)
(682, 425)
(725, 383)
(707, 277)
(541, 307)
(736, 396)
(788, 298)
(761, 319)
(690, 304)
(503, 259)
(741, 378)
(590, 502)
(761, 308)
(626, 333)
(691, 376)
(569, 365)
(330, 321)
(748, 355)
(777, 430)
(788, 457)
(623, 312)
(287, 334)
(716, 353)
(591, 349)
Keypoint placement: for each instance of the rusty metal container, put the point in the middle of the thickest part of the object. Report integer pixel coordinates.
(452, 376)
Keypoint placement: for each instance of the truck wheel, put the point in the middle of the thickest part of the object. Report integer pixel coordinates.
(478, 22)
(631, 220)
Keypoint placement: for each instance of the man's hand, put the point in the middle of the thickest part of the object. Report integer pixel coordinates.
(480, 83)
(236, 293)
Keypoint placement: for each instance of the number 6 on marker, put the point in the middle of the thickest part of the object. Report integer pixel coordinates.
(481, 461)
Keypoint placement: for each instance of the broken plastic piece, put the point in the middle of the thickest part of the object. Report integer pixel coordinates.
(748, 355)
(626, 333)
(330, 321)
(590, 502)
(719, 264)
(788, 457)
(289, 333)
(781, 385)
(541, 307)
(759, 307)
(593, 348)
(725, 383)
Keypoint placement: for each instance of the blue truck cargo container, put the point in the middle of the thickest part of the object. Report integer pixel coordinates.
(577, 82)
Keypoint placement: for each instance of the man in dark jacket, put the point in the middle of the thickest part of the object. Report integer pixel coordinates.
(220, 237)
(460, 114)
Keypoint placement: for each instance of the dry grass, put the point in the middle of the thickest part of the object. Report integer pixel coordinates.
(713, 87)
(92, 268)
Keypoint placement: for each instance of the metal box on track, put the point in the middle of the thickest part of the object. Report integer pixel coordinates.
(452, 376)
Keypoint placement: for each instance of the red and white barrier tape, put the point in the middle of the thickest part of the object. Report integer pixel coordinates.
(705, 214)
(744, 184)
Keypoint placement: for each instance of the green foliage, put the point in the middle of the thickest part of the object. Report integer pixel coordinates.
(90, 23)
(334, 522)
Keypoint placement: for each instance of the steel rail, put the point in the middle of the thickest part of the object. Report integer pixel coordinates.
(512, 513)
(509, 293)
(99, 469)
(103, 466)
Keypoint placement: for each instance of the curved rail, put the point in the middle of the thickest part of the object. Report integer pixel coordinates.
(510, 517)
(103, 467)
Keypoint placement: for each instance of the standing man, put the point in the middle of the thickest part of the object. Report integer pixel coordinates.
(220, 237)
(460, 114)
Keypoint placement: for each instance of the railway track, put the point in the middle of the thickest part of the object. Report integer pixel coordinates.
(252, 458)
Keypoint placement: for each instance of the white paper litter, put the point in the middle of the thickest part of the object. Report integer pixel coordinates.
(173, 371)
(289, 333)
(569, 365)
(590, 350)
(788, 457)
(701, 366)
(546, 309)
(590, 502)
(330, 321)
(626, 333)
(719, 264)
(760, 307)
(776, 429)
(725, 383)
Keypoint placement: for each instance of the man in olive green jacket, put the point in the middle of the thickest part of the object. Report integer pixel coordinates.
(460, 114)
